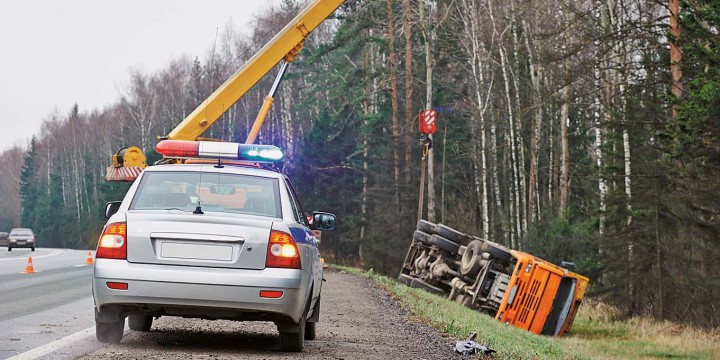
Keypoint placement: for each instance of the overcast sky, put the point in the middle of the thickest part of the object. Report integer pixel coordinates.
(54, 54)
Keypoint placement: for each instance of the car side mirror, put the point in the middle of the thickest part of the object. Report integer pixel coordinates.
(324, 221)
(111, 208)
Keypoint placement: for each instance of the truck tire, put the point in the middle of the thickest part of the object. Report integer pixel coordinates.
(444, 244)
(450, 233)
(419, 284)
(470, 263)
(497, 251)
(426, 226)
(422, 237)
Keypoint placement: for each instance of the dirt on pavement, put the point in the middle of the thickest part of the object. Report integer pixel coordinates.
(357, 321)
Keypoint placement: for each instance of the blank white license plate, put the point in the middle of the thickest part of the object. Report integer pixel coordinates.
(196, 251)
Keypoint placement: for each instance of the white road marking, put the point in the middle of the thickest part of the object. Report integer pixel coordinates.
(54, 346)
(54, 253)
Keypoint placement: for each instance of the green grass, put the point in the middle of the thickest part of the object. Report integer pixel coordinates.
(594, 335)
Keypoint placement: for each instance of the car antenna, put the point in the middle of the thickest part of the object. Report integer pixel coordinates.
(198, 210)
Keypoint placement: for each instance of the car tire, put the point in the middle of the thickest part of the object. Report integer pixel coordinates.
(426, 226)
(444, 244)
(9, 248)
(450, 233)
(33, 248)
(140, 322)
(422, 237)
(294, 341)
(109, 332)
(470, 263)
(310, 330)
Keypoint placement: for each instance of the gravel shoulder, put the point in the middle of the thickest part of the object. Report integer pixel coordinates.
(358, 321)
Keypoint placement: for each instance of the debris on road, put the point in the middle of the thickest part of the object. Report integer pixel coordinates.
(470, 347)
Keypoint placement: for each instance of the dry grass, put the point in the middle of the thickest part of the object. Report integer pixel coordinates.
(598, 335)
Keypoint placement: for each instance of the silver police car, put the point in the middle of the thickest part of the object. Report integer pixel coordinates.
(210, 241)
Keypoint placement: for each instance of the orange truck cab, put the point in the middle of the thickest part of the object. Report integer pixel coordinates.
(543, 297)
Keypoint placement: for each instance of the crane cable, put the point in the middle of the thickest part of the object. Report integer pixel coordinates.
(426, 145)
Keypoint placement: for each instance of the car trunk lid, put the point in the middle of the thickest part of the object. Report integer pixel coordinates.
(170, 237)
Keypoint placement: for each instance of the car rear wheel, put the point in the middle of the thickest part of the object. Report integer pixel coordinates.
(140, 322)
(9, 248)
(294, 341)
(109, 332)
(33, 248)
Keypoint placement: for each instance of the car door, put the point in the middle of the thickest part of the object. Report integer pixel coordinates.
(305, 238)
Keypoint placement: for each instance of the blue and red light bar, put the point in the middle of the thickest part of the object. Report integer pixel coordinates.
(186, 149)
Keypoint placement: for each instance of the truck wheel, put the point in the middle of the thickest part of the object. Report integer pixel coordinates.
(422, 237)
(497, 251)
(470, 263)
(426, 226)
(140, 322)
(419, 284)
(450, 233)
(444, 244)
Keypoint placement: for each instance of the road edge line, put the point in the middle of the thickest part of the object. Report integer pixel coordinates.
(53, 346)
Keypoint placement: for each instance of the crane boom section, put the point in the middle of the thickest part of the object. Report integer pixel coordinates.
(284, 45)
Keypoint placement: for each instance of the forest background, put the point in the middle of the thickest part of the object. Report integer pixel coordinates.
(565, 129)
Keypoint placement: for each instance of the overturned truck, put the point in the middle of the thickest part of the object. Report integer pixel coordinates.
(515, 287)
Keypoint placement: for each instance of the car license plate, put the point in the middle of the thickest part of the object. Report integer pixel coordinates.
(196, 251)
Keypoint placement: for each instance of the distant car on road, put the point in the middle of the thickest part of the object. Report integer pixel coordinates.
(21, 238)
(3, 238)
(212, 241)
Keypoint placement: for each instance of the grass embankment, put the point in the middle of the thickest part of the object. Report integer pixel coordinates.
(594, 334)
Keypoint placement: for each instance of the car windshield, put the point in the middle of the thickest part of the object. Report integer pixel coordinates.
(229, 193)
(21, 232)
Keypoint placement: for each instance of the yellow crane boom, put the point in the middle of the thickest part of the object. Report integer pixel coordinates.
(285, 45)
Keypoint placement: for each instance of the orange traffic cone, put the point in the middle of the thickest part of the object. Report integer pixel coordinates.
(89, 260)
(29, 268)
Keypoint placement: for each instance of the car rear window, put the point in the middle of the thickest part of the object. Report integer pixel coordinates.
(228, 193)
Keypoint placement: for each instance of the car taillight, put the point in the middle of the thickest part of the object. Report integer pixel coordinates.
(113, 242)
(282, 251)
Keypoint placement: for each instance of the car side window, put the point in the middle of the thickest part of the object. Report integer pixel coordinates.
(297, 209)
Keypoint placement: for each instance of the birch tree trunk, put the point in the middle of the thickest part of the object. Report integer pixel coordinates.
(479, 64)
(565, 145)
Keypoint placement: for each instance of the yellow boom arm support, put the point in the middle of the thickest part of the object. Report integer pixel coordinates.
(285, 45)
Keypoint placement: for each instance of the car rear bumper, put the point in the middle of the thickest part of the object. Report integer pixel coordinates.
(21, 244)
(200, 292)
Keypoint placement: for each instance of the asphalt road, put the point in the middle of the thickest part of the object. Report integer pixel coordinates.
(48, 315)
